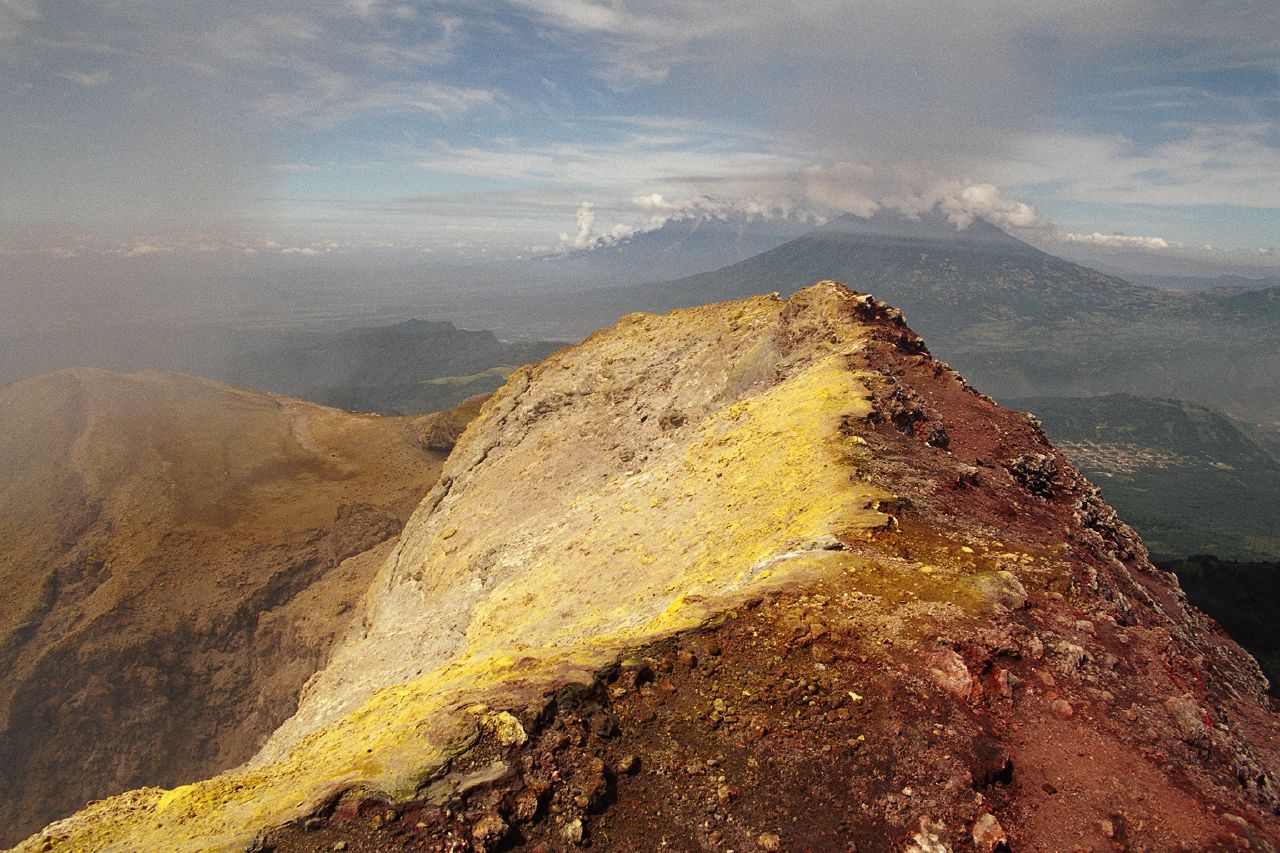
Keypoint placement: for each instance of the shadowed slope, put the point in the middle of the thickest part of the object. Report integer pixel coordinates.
(177, 557)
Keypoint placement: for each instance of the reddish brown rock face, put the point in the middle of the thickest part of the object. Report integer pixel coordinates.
(1072, 700)
(984, 658)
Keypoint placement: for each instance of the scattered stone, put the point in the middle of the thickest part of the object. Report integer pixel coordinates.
(988, 835)
(627, 764)
(1036, 472)
(950, 673)
(1073, 656)
(929, 838)
(1062, 708)
(604, 725)
(769, 841)
(505, 728)
(339, 845)
(1004, 689)
(488, 831)
(573, 831)
(1003, 589)
(527, 804)
(1187, 719)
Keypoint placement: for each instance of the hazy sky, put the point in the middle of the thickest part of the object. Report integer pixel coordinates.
(272, 126)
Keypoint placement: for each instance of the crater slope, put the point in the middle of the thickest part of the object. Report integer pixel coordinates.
(757, 575)
(178, 556)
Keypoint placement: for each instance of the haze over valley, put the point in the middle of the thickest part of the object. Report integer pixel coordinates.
(560, 424)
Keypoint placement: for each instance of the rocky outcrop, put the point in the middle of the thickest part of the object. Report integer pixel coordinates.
(760, 575)
(178, 557)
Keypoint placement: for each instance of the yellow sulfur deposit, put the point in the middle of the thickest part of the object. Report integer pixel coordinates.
(619, 491)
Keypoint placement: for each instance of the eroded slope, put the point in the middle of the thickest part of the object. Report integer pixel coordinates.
(178, 556)
(756, 575)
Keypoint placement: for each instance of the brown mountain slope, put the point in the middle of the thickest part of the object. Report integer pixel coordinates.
(755, 576)
(177, 557)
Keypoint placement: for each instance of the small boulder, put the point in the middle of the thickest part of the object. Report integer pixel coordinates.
(988, 835)
(950, 673)
(573, 831)
(769, 841)
(488, 831)
(1003, 589)
(1187, 719)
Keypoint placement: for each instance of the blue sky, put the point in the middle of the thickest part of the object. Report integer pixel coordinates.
(254, 126)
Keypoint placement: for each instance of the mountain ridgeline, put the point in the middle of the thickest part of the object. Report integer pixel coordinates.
(679, 247)
(408, 368)
(941, 275)
(1015, 320)
(756, 575)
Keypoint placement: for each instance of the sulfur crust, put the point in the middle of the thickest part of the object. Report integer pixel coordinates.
(742, 504)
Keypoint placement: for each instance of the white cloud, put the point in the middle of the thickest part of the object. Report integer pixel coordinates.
(341, 100)
(970, 201)
(1122, 241)
(660, 209)
(1232, 164)
(140, 249)
(585, 235)
(668, 21)
(88, 79)
(914, 189)
(14, 14)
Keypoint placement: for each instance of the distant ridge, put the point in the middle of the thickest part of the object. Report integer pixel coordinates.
(178, 557)
(1186, 476)
(679, 247)
(925, 265)
(392, 370)
(943, 277)
(1016, 320)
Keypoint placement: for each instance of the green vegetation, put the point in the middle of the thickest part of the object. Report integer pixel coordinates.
(429, 395)
(501, 372)
(1186, 477)
(1242, 597)
(405, 369)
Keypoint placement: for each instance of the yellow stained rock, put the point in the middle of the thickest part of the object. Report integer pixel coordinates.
(560, 557)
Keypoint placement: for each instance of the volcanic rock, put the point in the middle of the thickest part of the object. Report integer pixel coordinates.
(580, 536)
